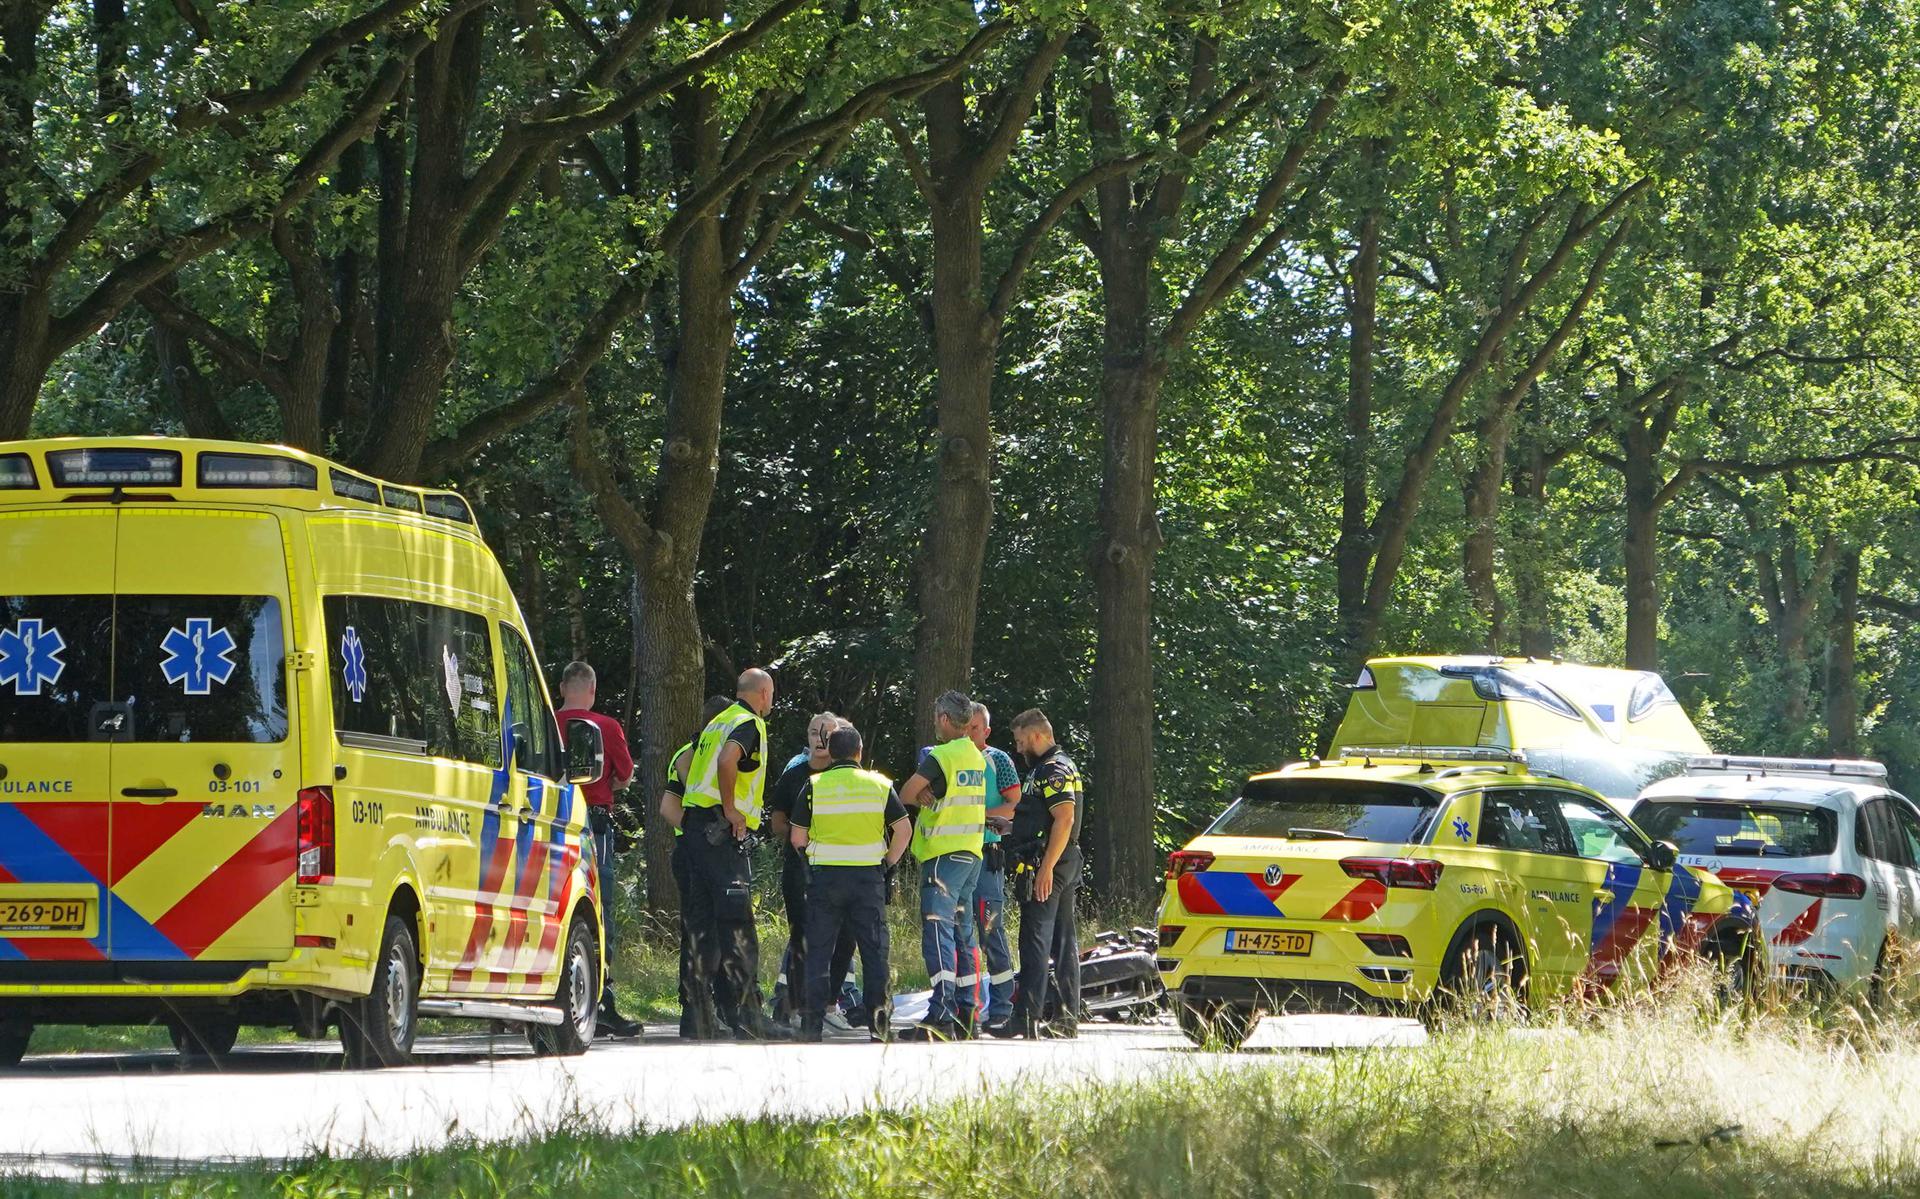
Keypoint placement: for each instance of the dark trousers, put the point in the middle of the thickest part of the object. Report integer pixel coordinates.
(722, 998)
(1050, 947)
(723, 951)
(850, 901)
(600, 822)
(793, 889)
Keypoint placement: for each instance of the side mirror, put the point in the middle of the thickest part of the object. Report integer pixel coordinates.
(586, 752)
(522, 736)
(1662, 855)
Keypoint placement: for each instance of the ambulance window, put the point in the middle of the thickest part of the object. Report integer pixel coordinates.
(529, 704)
(415, 672)
(201, 668)
(56, 664)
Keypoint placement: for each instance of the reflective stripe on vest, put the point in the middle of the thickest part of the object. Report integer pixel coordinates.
(703, 776)
(849, 817)
(671, 759)
(957, 822)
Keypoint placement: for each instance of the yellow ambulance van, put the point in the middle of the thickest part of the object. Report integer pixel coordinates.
(275, 750)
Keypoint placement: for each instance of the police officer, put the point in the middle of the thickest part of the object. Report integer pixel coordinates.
(672, 793)
(950, 788)
(854, 830)
(990, 897)
(790, 989)
(725, 782)
(1042, 843)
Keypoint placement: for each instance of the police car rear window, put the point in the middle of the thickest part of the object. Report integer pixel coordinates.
(1328, 809)
(142, 668)
(1740, 830)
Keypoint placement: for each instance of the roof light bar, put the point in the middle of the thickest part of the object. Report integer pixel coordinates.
(114, 468)
(1435, 753)
(16, 473)
(256, 470)
(448, 506)
(1815, 767)
(352, 486)
(400, 497)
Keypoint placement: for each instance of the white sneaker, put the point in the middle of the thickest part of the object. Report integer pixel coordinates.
(837, 1019)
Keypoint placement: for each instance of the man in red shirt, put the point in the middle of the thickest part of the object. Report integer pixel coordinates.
(578, 689)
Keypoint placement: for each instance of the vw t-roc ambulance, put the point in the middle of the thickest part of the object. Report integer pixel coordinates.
(275, 750)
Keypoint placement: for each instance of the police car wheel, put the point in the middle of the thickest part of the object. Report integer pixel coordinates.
(204, 1038)
(378, 1030)
(14, 1035)
(578, 997)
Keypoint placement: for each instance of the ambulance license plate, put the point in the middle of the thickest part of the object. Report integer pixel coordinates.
(1283, 941)
(43, 915)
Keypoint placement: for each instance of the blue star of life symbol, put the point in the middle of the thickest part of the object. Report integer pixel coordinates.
(30, 656)
(1461, 829)
(198, 656)
(353, 664)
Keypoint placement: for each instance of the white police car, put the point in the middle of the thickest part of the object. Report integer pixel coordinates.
(1825, 849)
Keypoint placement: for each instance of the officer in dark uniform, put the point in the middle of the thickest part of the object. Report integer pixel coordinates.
(672, 792)
(726, 782)
(790, 988)
(854, 829)
(1043, 851)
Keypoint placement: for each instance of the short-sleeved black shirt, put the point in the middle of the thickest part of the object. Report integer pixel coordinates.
(786, 793)
(747, 736)
(1054, 780)
(802, 814)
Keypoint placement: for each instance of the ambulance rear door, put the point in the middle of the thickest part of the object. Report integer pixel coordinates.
(205, 756)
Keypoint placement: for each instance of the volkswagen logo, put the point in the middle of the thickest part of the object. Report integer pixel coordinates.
(1274, 875)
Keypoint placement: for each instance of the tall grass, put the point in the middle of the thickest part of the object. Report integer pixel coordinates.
(1667, 1095)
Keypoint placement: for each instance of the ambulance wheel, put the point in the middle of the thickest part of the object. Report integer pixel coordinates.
(578, 997)
(14, 1035)
(1483, 981)
(378, 1030)
(1216, 1025)
(205, 1038)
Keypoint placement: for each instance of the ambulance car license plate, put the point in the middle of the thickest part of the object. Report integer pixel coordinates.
(1287, 942)
(30, 915)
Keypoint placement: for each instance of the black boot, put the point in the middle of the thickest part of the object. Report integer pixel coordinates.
(813, 1028)
(936, 1030)
(611, 1021)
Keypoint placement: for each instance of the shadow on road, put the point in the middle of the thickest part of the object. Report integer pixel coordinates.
(300, 1058)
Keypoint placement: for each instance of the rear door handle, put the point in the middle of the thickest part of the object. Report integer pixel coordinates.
(149, 792)
(1603, 896)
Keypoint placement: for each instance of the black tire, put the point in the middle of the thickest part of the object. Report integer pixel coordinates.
(14, 1035)
(1220, 1026)
(1738, 960)
(378, 1030)
(204, 1038)
(1484, 980)
(578, 997)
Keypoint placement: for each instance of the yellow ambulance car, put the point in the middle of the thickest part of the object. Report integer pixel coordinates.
(275, 750)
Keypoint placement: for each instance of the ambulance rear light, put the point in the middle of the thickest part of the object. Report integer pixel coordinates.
(314, 822)
(114, 468)
(1170, 935)
(256, 470)
(1188, 861)
(1823, 886)
(1418, 874)
(16, 473)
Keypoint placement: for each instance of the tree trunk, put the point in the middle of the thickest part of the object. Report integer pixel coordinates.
(1843, 683)
(1121, 825)
(953, 549)
(420, 325)
(1479, 551)
(1353, 552)
(1533, 600)
(1641, 549)
(25, 297)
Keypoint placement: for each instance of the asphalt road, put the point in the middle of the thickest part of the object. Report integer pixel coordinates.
(90, 1113)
